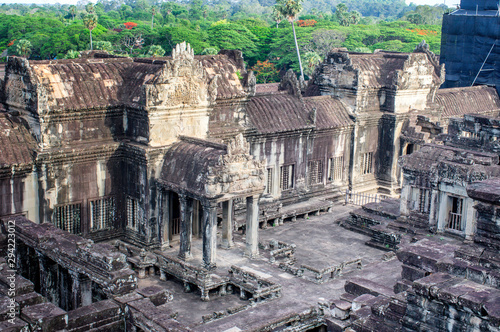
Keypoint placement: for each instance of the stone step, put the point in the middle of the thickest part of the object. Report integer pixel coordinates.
(359, 286)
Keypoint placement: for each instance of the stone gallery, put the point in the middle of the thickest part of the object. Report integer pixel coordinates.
(176, 194)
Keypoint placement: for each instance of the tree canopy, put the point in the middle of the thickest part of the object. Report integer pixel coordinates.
(257, 27)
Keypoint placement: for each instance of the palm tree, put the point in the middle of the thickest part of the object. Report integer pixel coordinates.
(72, 11)
(312, 59)
(153, 13)
(90, 22)
(90, 8)
(23, 48)
(290, 9)
(277, 16)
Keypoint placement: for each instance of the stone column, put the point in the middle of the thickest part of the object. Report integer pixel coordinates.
(165, 220)
(404, 199)
(433, 212)
(86, 290)
(186, 227)
(209, 235)
(443, 211)
(75, 289)
(42, 262)
(469, 217)
(252, 226)
(227, 224)
(48, 278)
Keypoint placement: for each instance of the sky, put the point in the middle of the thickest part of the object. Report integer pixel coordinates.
(40, 2)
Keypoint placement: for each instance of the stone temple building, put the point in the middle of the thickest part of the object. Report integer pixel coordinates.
(114, 169)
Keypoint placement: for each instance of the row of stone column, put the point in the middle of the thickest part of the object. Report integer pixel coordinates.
(56, 288)
(209, 227)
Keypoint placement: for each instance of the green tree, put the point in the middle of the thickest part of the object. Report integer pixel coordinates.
(103, 45)
(72, 54)
(72, 11)
(234, 37)
(156, 50)
(90, 22)
(311, 59)
(209, 51)
(23, 48)
(291, 9)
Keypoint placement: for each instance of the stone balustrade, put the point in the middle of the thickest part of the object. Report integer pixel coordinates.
(248, 282)
(331, 272)
(190, 275)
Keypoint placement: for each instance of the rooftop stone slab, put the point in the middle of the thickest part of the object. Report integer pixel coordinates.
(486, 191)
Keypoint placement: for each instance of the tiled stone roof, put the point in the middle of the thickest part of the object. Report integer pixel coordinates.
(280, 113)
(17, 145)
(93, 83)
(459, 101)
(187, 164)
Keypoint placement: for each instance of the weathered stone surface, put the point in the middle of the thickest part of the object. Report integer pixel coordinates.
(45, 316)
(156, 294)
(360, 286)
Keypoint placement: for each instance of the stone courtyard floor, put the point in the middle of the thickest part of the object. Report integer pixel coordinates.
(320, 242)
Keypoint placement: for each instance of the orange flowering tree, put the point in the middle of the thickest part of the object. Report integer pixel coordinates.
(130, 25)
(306, 23)
(265, 72)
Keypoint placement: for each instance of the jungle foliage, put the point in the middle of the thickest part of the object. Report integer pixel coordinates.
(149, 28)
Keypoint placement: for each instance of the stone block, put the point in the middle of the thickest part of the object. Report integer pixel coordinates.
(361, 301)
(412, 273)
(402, 285)
(335, 325)
(21, 284)
(364, 312)
(348, 297)
(340, 309)
(474, 300)
(492, 308)
(450, 292)
(171, 325)
(18, 325)
(477, 273)
(158, 295)
(128, 298)
(360, 286)
(46, 316)
(30, 299)
(8, 308)
(422, 286)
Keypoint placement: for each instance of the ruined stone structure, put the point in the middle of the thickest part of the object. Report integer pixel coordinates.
(113, 164)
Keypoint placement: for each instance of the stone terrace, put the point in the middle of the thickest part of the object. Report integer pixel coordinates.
(332, 246)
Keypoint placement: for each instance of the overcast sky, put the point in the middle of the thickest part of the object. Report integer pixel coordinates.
(418, 2)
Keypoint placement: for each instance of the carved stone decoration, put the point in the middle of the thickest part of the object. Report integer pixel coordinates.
(182, 81)
(312, 115)
(236, 171)
(251, 83)
(238, 145)
(212, 88)
(290, 83)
